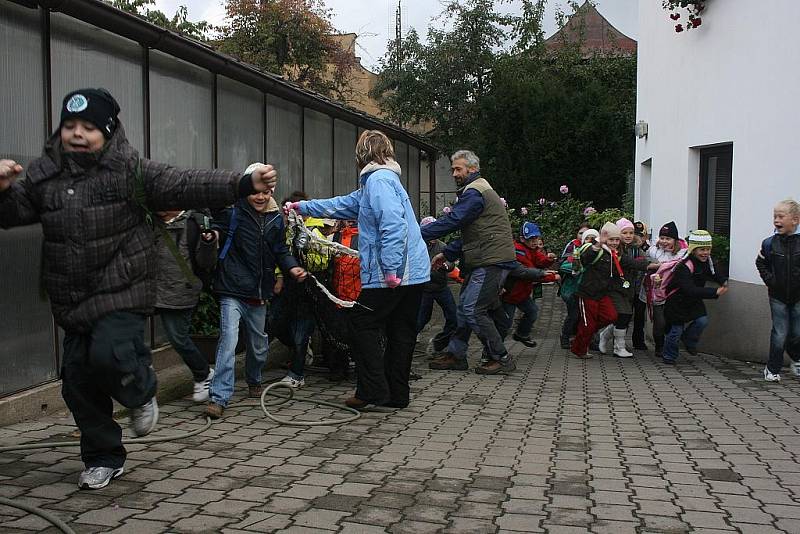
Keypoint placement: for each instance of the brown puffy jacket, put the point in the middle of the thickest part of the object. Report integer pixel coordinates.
(99, 254)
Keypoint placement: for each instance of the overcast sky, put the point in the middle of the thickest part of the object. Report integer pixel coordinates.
(371, 19)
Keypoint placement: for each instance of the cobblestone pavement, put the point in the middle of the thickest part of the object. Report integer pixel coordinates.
(561, 446)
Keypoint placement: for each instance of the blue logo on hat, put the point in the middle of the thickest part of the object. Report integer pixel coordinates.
(77, 103)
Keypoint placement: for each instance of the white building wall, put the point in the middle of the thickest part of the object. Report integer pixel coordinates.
(735, 79)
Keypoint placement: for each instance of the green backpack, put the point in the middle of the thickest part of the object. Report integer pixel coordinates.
(571, 282)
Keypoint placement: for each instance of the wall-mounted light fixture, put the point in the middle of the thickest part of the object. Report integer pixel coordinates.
(641, 129)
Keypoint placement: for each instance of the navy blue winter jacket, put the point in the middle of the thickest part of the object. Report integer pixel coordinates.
(259, 244)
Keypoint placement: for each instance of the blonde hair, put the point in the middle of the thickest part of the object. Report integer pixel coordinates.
(373, 145)
(791, 205)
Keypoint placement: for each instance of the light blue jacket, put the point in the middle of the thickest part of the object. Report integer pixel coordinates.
(389, 240)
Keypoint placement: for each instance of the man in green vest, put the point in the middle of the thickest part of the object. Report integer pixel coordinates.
(486, 249)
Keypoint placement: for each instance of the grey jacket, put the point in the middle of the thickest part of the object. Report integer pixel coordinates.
(98, 254)
(174, 290)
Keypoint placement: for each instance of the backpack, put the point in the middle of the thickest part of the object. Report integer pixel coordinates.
(572, 281)
(657, 285)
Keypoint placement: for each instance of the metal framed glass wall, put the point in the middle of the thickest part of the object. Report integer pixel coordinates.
(181, 112)
(317, 154)
(83, 55)
(240, 124)
(401, 155)
(345, 175)
(414, 184)
(27, 353)
(285, 144)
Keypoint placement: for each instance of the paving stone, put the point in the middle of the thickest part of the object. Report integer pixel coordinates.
(563, 446)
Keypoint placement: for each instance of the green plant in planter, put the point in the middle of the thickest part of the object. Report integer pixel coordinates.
(205, 321)
(721, 251)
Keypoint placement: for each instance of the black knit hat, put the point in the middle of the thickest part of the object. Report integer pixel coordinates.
(669, 230)
(93, 105)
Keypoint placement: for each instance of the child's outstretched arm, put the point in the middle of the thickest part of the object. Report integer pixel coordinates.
(16, 204)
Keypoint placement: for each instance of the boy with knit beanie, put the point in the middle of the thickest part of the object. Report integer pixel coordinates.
(94, 196)
(684, 311)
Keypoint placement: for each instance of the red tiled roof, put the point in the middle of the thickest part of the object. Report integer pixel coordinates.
(600, 36)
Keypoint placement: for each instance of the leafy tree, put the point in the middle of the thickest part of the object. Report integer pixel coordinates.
(290, 38)
(444, 79)
(537, 117)
(179, 22)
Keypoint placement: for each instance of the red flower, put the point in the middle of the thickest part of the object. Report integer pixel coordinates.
(678, 28)
(697, 22)
(675, 16)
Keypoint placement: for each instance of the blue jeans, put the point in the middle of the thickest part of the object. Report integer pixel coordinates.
(689, 334)
(785, 334)
(480, 310)
(177, 324)
(231, 312)
(448, 305)
(530, 311)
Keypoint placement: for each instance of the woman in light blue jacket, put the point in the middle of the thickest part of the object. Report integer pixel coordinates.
(394, 268)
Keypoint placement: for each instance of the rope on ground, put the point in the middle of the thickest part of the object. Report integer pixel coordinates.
(354, 414)
(44, 514)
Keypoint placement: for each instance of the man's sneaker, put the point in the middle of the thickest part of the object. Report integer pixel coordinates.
(292, 382)
(794, 367)
(528, 342)
(144, 418)
(254, 391)
(769, 377)
(494, 367)
(201, 389)
(98, 477)
(448, 362)
(565, 343)
(214, 410)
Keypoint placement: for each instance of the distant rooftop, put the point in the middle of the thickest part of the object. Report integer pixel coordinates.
(599, 35)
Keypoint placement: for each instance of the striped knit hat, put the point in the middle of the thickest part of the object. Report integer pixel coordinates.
(698, 239)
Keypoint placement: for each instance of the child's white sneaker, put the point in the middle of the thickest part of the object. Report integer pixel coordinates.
(294, 383)
(794, 367)
(769, 377)
(201, 389)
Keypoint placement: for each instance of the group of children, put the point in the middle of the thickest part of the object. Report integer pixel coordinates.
(615, 275)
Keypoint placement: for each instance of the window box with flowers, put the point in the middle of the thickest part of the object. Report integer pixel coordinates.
(692, 8)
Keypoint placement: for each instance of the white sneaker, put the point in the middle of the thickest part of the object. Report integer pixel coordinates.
(294, 383)
(201, 389)
(769, 377)
(98, 477)
(794, 367)
(144, 418)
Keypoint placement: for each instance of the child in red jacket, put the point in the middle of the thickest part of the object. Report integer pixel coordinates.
(530, 253)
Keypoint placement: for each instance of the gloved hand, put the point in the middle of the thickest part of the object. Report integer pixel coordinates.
(291, 206)
(392, 280)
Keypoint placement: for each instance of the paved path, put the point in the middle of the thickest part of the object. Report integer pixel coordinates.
(563, 445)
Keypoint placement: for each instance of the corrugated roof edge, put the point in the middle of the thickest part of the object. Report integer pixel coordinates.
(147, 34)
